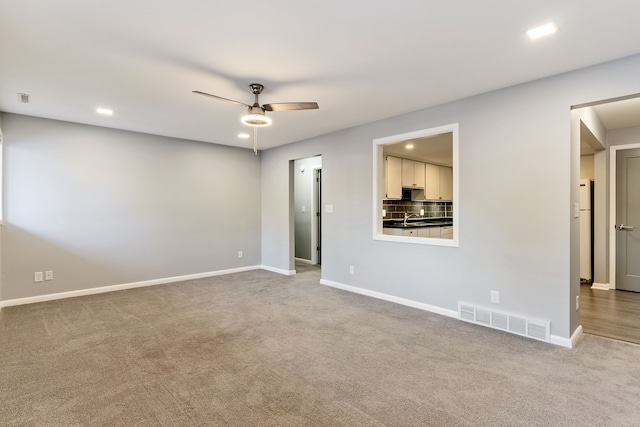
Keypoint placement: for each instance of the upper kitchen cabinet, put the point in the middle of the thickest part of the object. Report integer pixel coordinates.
(393, 177)
(432, 182)
(446, 183)
(438, 183)
(413, 174)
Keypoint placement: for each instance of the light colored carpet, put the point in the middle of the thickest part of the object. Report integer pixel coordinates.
(260, 349)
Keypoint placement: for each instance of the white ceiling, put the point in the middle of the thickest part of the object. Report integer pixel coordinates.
(619, 114)
(360, 60)
(436, 149)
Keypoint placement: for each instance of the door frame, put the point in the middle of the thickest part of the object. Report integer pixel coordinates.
(316, 236)
(613, 151)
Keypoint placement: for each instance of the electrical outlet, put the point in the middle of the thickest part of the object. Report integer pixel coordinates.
(577, 302)
(304, 209)
(384, 212)
(38, 276)
(352, 270)
(495, 297)
(48, 275)
(240, 254)
(421, 212)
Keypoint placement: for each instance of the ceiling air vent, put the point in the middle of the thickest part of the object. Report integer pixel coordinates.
(24, 98)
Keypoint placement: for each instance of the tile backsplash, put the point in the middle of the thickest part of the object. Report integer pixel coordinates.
(397, 208)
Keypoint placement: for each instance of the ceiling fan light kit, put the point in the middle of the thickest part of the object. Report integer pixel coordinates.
(255, 118)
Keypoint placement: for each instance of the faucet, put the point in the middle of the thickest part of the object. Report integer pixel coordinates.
(407, 216)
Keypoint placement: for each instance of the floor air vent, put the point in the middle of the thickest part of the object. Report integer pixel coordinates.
(536, 329)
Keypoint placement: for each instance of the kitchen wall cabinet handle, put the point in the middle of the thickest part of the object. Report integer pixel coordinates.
(624, 227)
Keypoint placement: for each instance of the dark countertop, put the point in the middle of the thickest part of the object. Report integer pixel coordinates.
(418, 223)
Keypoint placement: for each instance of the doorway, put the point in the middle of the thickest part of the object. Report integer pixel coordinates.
(607, 308)
(627, 223)
(307, 202)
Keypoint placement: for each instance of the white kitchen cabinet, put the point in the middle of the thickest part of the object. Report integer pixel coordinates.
(432, 182)
(446, 183)
(393, 178)
(412, 174)
(392, 231)
(438, 182)
(412, 232)
(429, 232)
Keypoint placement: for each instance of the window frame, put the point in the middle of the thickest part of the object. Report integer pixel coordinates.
(378, 186)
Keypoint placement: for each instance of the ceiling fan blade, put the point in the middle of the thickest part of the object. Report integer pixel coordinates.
(221, 98)
(289, 106)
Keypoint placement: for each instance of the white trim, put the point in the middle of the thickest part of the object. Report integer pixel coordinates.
(278, 270)
(304, 261)
(314, 217)
(391, 298)
(576, 336)
(612, 208)
(601, 286)
(567, 342)
(378, 185)
(112, 288)
(435, 241)
(553, 339)
(560, 341)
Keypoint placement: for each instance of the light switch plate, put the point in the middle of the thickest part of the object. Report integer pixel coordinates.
(576, 210)
(328, 208)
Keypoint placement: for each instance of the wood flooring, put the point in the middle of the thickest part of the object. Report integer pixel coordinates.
(612, 314)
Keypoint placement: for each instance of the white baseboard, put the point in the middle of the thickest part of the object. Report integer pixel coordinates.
(278, 270)
(602, 286)
(553, 339)
(567, 342)
(305, 261)
(391, 298)
(112, 288)
(575, 337)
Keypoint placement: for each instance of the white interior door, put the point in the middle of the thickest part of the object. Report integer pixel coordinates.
(627, 227)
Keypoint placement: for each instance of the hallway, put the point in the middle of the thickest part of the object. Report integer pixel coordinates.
(612, 314)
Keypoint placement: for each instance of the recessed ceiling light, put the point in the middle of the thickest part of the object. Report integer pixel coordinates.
(408, 146)
(541, 31)
(104, 111)
(243, 135)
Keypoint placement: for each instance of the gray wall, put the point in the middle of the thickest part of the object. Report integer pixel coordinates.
(304, 182)
(519, 177)
(103, 207)
(1, 206)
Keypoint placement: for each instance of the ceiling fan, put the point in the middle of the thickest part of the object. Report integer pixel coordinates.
(256, 116)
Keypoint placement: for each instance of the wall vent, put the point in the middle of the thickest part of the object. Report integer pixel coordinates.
(24, 98)
(531, 328)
